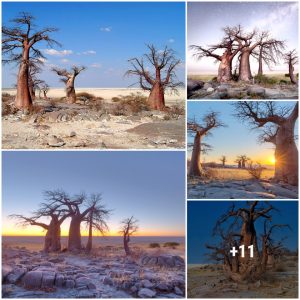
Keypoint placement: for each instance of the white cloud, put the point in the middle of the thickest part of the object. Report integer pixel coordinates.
(42, 59)
(106, 29)
(89, 52)
(171, 41)
(57, 52)
(65, 61)
(95, 65)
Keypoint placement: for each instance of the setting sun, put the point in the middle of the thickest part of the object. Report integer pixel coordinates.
(272, 160)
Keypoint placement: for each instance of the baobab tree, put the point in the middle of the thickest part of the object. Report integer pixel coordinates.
(223, 160)
(164, 64)
(57, 215)
(18, 45)
(269, 51)
(279, 120)
(231, 47)
(129, 226)
(96, 219)
(209, 122)
(239, 162)
(73, 205)
(243, 160)
(68, 78)
(291, 58)
(44, 88)
(237, 228)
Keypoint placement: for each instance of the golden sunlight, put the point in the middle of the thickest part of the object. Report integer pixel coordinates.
(272, 160)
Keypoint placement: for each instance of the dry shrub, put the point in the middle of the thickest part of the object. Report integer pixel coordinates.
(255, 170)
(8, 109)
(133, 103)
(172, 245)
(7, 97)
(154, 245)
(115, 99)
(97, 105)
(85, 95)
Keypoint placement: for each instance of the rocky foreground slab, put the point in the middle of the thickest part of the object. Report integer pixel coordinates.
(29, 274)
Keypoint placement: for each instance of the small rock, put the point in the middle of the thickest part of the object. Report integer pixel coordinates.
(178, 291)
(54, 141)
(70, 283)
(147, 283)
(107, 280)
(210, 90)
(146, 293)
(72, 134)
(91, 286)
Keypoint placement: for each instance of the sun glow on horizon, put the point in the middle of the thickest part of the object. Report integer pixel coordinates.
(272, 160)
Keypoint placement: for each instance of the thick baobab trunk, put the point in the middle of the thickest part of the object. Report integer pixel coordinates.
(74, 242)
(195, 164)
(244, 70)
(156, 98)
(23, 98)
(286, 154)
(126, 240)
(291, 74)
(89, 244)
(224, 71)
(70, 90)
(52, 238)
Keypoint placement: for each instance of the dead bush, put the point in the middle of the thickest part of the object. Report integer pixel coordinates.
(129, 104)
(8, 109)
(175, 111)
(255, 170)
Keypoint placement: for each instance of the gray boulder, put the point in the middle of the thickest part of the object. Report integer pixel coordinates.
(146, 293)
(33, 279)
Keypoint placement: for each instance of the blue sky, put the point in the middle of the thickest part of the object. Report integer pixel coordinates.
(148, 185)
(202, 216)
(236, 138)
(205, 21)
(101, 36)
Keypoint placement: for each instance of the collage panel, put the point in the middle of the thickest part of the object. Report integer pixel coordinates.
(249, 51)
(242, 150)
(113, 80)
(93, 224)
(242, 249)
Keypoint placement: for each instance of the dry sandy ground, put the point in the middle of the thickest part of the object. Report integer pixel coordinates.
(106, 273)
(209, 281)
(78, 126)
(233, 183)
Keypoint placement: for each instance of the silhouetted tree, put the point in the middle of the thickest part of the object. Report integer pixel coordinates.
(18, 45)
(223, 160)
(209, 121)
(96, 219)
(164, 64)
(57, 215)
(68, 78)
(129, 226)
(282, 120)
